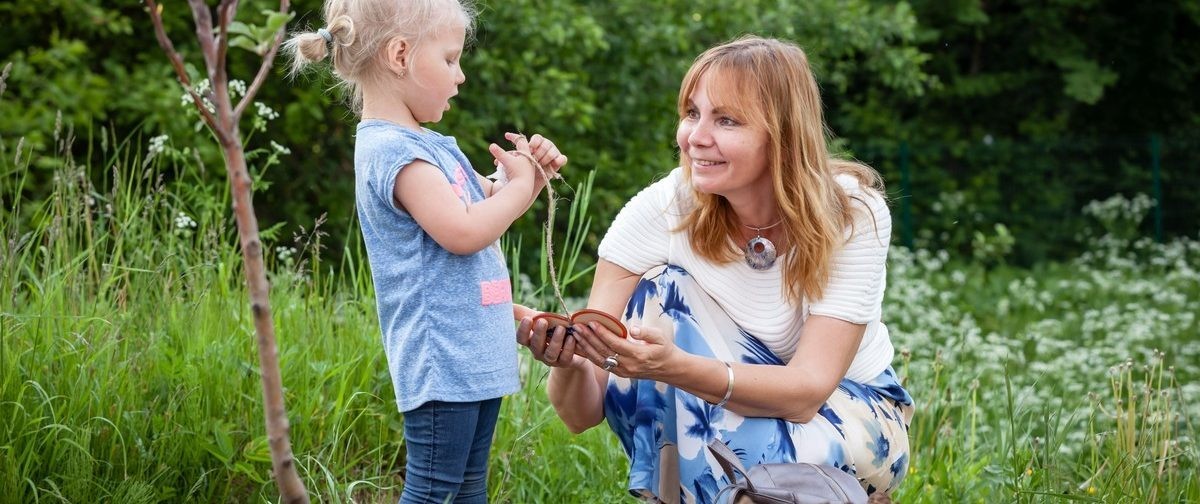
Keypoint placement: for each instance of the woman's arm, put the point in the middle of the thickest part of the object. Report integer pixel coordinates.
(794, 392)
(577, 391)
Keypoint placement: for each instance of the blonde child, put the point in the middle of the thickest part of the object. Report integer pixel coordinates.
(430, 224)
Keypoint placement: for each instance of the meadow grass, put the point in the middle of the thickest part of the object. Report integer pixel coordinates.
(128, 370)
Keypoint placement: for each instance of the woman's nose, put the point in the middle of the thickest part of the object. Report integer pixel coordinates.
(700, 135)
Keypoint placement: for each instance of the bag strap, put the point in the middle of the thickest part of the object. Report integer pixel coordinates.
(729, 463)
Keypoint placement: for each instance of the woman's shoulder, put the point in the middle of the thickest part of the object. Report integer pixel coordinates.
(664, 188)
(859, 192)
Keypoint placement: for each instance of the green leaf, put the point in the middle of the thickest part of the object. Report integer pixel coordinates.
(239, 28)
(244, 42)
(277, 20)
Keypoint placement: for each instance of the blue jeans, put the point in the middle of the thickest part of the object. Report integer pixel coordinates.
(448, 445)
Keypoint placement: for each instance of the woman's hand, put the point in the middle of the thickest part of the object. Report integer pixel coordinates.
(554, 348)
(645, 354)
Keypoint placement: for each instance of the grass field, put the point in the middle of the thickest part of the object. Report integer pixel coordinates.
(128, 370)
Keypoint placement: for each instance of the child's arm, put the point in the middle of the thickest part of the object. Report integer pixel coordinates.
(423, 191)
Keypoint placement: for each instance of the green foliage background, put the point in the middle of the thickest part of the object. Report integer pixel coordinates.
(1014, 112)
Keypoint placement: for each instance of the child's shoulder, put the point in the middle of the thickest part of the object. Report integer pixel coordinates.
(381, 137)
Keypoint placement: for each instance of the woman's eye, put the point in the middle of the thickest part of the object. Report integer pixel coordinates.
(728, 121)
(691, 114)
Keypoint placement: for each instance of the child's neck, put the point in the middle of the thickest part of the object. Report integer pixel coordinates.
(389, 110)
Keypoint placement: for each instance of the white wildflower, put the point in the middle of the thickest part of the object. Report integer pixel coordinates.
(265, 111)
(237, 88)
(157, 145)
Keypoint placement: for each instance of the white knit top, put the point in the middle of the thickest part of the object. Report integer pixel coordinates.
(641, 238)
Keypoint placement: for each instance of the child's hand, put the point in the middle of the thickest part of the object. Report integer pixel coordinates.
(550, 158)
(545, 152)
(515, 166)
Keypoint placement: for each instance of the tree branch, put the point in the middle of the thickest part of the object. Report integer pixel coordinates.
(224, 16)
(204, 33)
(177, 63)
(265, 69)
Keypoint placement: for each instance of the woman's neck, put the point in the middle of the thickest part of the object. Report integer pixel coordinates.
(759, 213)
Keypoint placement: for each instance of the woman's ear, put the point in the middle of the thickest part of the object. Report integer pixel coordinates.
(397, 55)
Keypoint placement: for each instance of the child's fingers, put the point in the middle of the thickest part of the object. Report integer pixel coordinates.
(496, 152)
(518, 140)
(543, 150)
(558, 162)
(547, 156)
(537, 144)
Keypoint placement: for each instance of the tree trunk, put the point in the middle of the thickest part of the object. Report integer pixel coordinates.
(283, 464)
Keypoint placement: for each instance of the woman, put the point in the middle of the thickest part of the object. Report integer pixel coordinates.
(751, 280)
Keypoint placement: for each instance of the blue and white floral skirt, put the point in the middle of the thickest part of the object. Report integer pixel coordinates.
(862, 429)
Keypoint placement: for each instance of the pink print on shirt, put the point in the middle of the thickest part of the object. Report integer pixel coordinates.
(496, 291)
(460, 184)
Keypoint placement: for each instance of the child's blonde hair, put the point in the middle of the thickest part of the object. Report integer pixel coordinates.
(770, 81)
(358, 29)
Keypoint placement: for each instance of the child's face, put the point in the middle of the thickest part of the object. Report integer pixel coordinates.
(435, 72)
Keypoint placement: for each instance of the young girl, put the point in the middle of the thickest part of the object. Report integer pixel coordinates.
(430, 224)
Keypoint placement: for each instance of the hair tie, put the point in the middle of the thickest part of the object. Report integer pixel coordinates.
(325, 35)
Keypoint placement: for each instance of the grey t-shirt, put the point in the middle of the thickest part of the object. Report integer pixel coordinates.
(446, 319)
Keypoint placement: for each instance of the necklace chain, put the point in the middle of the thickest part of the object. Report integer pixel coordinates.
(761, 229)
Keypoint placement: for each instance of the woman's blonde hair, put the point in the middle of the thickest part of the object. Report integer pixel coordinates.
(359, 29)
(770, 84)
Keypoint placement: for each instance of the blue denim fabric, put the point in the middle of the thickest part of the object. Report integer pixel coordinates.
(448, 445)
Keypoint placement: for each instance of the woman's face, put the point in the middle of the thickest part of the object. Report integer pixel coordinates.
(727, 155)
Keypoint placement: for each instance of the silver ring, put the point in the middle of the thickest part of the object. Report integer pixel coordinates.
(609, 362)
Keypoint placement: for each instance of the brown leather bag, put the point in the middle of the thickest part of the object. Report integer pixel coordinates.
(797, 483)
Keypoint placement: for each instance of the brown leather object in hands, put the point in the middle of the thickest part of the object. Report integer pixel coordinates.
(583, 317)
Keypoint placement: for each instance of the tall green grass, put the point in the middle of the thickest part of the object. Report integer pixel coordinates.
(128, 370)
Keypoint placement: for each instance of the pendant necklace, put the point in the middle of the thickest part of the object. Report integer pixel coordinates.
(760, 252)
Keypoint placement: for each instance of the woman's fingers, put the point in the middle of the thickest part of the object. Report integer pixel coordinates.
(525, 331)
(586, 345)
(554, 344)
(567, 354)
(612, 340)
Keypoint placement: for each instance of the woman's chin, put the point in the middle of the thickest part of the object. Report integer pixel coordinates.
(705, 186)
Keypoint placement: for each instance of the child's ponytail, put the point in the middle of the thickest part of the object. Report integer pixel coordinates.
(306, 48)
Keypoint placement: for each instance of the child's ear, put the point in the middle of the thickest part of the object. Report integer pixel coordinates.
(397, 55)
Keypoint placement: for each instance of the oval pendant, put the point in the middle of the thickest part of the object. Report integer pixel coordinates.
(760, 253)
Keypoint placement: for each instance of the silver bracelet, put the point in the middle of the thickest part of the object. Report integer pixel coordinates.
(728, 386)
